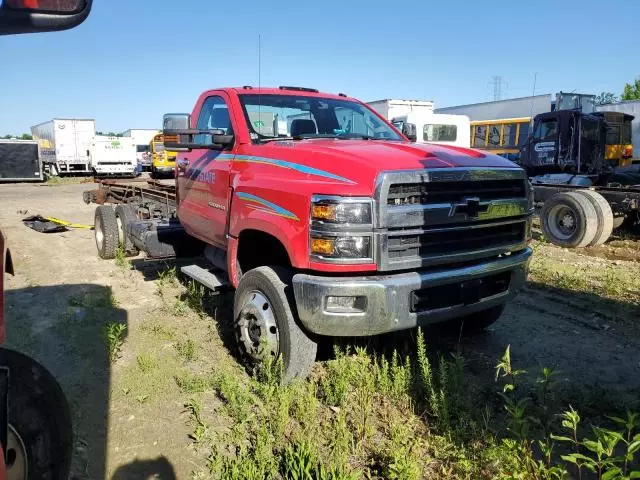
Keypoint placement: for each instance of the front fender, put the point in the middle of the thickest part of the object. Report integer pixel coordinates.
(283, 215)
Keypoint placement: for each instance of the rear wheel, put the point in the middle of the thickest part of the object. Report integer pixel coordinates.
(265, 322)
(124, 215)
(106, 231)
(604, 215)
(569, 219)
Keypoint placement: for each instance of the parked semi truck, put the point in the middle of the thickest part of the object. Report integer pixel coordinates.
(20, 161)
(323, 232)
(64, 145)
(582, 188)
(115, 156)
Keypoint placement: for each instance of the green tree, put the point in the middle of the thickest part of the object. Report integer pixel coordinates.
(26, 136)
(631, 90)
(7, 137)
(605, 98)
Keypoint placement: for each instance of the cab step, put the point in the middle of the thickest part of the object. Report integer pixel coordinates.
(213, 280)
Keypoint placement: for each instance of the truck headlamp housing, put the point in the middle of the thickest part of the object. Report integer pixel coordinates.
(356, 211)
(341, 229)
(345, 247)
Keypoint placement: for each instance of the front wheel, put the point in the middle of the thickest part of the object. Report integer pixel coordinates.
(39, 440)
(265, 323)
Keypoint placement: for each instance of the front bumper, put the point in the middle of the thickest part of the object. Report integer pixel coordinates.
(115, 169)
(164, 168)
(401, 301)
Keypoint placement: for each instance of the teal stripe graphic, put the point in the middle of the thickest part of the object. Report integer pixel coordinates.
(267, 206)
(284, 164)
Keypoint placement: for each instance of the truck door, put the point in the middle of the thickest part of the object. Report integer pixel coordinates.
(541, 148)
(203, 178)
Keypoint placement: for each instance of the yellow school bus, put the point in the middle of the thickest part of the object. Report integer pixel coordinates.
(162, 161)
(502, 137)
(618, 150)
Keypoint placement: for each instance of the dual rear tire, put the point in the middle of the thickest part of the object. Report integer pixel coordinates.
(110, 231)
(582, 218)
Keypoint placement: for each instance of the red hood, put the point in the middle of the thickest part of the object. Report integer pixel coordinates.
(361, 160)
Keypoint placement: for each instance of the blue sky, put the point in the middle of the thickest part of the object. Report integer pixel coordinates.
(134, 60)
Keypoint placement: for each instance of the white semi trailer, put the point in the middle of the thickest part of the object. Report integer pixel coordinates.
(64, 144)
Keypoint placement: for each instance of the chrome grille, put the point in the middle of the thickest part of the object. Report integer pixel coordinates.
(438, 192)
(432, 217)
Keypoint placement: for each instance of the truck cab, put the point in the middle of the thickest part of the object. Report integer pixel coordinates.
(328, 221)
(438, 128)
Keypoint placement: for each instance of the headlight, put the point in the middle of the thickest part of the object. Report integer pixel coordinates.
(341, 210)
(341, 247)
(341, 229)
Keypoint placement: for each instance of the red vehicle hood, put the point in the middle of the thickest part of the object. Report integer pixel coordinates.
(361, 160)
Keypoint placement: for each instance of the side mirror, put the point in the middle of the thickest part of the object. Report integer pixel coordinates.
(31, 16)
(179, 137)
(409, 131)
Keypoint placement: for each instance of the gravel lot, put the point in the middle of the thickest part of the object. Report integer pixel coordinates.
(59, 301)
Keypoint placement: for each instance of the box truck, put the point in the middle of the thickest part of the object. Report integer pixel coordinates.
(20, 161)
(142, 138)
(395, 108)
(112, 156)
(64, 144)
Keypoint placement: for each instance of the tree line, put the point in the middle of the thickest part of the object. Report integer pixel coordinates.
(631, 91)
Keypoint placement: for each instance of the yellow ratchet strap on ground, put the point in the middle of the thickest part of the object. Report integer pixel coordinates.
(69, 224)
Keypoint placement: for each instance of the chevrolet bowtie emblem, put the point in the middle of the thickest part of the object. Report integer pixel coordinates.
(470, 206)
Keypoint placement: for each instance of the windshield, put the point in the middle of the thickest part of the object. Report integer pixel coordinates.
(158, 147)
(273, 116)
(439, 133)
(142, 148)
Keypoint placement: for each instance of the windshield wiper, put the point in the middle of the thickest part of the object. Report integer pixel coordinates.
(277, 139)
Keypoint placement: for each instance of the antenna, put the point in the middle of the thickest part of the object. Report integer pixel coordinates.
(259, 82)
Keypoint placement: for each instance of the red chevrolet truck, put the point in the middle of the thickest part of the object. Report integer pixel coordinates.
(326, 220)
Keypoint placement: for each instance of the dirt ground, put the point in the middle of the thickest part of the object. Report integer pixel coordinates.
(129, 415)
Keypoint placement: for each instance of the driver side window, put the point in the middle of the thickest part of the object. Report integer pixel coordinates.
(214, 115)
(546, 130)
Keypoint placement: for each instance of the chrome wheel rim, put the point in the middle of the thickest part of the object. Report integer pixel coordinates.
(257, 327)
(120, 230)
(16, 467)
(563, 222)
(99, 234)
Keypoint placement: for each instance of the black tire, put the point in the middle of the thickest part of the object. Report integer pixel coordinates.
(153, 174)
(41, 434)
(106, 232)
(569, 220)
(477, 322)
(604, 214)
(297, 349)
(124, 215)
